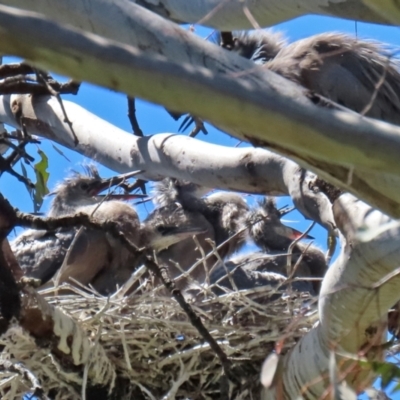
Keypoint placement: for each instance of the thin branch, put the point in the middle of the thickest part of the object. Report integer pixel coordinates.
(289, 270)
(5, 167)
(132, 117)
(162, 273)
(42, 78)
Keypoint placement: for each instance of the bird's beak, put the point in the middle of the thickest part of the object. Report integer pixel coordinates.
(103, 184)
(291, 233)
(170, 235)
(285, 210)
(295, 234)
(288, 232)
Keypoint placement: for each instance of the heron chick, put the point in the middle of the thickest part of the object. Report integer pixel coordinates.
(361, 75)
(274, 238)
(41, 253)
(220, 218)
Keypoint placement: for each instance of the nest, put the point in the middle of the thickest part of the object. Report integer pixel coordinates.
(154, 346)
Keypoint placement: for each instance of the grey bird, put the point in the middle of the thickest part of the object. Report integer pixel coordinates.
(40, 252)
(358, 74)
(161, 230)
(266, 228)
(220, 216)
(91, 256)
(274, 238)
(256, 270)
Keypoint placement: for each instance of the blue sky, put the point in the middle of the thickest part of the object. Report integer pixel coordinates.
(154, 119)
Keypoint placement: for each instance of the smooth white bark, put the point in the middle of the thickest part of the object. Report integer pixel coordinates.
(357, 153)
(219, 14)
(388, 9)
(242, 169)
(355, 296)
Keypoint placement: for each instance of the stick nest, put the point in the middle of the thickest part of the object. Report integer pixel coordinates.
(153, 345)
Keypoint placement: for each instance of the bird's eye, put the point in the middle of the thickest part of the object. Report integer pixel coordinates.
(161, 229)
(84, 186)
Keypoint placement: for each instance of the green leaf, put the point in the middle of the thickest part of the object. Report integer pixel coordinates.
(42, 177)
(387, 371)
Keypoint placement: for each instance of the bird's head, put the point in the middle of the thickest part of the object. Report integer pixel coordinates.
(168, 225)
(231, 209)
(171, 190)
(266, 228)
(162, 236)
(80, 190)
(259, 46)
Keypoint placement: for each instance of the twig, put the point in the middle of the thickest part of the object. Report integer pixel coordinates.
(132, 117)
(7, 70)
(162, 273)
(291, 247)
(41, 78)
(5, 167)
(49, 223)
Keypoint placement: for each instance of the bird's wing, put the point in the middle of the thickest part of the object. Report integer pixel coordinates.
(88, 255)
(41, 253)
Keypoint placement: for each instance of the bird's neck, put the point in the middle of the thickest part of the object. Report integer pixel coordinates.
(61, 208)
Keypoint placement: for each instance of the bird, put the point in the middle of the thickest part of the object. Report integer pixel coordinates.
(221, 216)
(266, 228)
(94, 253)
(361, 75)
(254, 270)
(41, 252)
(258, 46)
(162, 229)
(275, 238)
(86, 254)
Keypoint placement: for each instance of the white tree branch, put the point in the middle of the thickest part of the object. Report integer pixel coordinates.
(230, 15)
(388, 9)
(357, 153)
(99, 15)
(247, 169)
(356, 293)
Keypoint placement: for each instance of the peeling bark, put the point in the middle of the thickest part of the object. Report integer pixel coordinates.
(66, 339)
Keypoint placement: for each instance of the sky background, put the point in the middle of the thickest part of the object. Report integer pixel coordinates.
(153, 119)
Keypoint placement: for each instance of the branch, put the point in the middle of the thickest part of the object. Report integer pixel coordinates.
(162, 274)
(241, 169)
(9, 293)
(389, 10)
(335, 144)
(49, 325)
(356, 293)
(115, 19)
